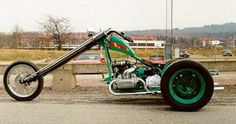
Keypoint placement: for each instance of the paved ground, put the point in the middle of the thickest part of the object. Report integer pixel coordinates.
(91, 106)
(225, 78)
(95, 105)
(90, 102)
(31, 113)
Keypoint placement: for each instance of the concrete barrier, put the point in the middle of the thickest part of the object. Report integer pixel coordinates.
(3, 68)
(64, 77)
(220, 65)
(97, 68)
(76, 68)
(89, 68)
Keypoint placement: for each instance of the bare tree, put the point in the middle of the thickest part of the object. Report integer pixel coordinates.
(58, 27)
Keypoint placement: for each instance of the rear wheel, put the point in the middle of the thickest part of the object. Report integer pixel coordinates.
(14, 85)
(187, 85)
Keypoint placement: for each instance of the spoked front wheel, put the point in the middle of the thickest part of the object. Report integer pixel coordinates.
(16, 87)
(187, 85)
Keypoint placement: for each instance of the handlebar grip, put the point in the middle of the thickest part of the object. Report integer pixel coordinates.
(128, 39)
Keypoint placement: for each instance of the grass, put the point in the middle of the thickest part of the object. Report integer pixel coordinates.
(15, 54)
(140, 52)
(18, 54)
(207, 51)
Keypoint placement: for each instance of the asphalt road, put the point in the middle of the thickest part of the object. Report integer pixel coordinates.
(31, 113)
(91, 106)
(91, 103)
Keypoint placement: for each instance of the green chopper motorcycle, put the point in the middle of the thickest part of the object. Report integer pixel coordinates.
(184, 84)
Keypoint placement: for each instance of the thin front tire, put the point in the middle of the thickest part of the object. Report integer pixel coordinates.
(13, 77)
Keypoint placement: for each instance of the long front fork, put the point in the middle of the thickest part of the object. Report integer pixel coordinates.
(65, 58)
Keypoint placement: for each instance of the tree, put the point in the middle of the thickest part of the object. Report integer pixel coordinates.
(58, 27)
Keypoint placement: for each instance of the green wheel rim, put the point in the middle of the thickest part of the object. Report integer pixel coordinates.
(187, 86)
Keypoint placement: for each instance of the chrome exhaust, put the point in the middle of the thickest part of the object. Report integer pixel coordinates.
(147, 91)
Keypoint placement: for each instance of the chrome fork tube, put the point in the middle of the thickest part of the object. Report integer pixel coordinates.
(63, 59)
(67, 57)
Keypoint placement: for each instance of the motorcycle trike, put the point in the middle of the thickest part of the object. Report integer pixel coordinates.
(184, 84)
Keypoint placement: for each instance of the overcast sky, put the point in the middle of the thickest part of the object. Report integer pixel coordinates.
(117, 14)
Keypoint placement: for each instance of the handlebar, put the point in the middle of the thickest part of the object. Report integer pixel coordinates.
(120, 34)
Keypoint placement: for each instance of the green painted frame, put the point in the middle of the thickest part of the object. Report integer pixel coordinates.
(115, 43)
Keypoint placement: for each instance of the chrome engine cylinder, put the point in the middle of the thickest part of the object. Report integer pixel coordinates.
(153, 81)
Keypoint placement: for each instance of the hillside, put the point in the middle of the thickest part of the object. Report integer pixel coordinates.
(214, 30)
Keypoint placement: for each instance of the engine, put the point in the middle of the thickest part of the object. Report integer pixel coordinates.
(119, 67)
(123, 74)
(128, 76)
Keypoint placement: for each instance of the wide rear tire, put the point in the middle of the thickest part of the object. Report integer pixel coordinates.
(187, 86)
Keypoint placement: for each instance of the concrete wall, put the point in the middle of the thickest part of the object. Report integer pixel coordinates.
(220, 65)
(97, 68)
(76, 68)
(3, 68)
(64, 78)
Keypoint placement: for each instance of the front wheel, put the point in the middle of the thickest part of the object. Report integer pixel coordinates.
(187, 86)
(14, 85)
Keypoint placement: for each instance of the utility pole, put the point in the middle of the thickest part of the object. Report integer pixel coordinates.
(234, 41)
(171, 22)
(169, 36)
(166, 19)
